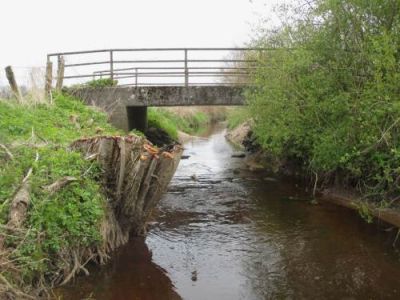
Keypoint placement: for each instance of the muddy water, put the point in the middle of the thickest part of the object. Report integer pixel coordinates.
(222, 232)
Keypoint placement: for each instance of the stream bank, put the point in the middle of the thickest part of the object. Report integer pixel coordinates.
(257, 159)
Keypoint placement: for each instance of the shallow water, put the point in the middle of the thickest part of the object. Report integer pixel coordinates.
(222, 232)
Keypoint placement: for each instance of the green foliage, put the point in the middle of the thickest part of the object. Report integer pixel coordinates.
(329, 95)
(64, 220)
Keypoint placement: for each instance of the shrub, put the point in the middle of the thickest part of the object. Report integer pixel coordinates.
(102, 82)
(329, 94)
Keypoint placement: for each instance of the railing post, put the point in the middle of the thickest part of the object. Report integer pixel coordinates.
(136, 77)
(186, 69)
(111, 65)
(60, 73)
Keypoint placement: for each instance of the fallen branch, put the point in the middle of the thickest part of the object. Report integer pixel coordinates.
(8, 152)
(20, 202)
(59, 184)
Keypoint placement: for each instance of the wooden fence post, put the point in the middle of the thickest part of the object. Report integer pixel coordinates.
(49, 78)
(13, 83)
(60, 73)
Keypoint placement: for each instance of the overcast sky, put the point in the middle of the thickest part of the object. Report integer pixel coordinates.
(32, 28)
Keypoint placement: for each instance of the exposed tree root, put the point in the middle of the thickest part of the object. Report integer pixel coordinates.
(14, 290)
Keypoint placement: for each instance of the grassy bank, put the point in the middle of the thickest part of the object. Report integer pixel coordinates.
(56, 224)
(237, 116)
(188, 120)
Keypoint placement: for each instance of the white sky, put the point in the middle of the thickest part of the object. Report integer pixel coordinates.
(32, 28)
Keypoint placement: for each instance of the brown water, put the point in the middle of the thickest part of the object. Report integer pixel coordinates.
(222, 232)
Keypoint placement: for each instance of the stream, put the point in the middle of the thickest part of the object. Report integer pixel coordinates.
(223, 232)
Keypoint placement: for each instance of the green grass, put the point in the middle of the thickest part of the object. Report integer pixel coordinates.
(66, 120)
(67, 219)
(172, 122)
(237, 116)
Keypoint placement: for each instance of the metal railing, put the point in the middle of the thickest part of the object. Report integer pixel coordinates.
(159, 66)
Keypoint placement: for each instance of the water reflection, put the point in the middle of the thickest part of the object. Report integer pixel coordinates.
(130, 274)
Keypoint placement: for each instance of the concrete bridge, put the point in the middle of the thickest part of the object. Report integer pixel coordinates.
(154, 77)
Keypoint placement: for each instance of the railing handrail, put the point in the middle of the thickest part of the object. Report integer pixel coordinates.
(159, 49)
(240, 69)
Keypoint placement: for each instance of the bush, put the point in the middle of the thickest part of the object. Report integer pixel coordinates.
(329, 95)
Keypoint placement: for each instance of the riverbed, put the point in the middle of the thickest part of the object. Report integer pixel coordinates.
(223, 232)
